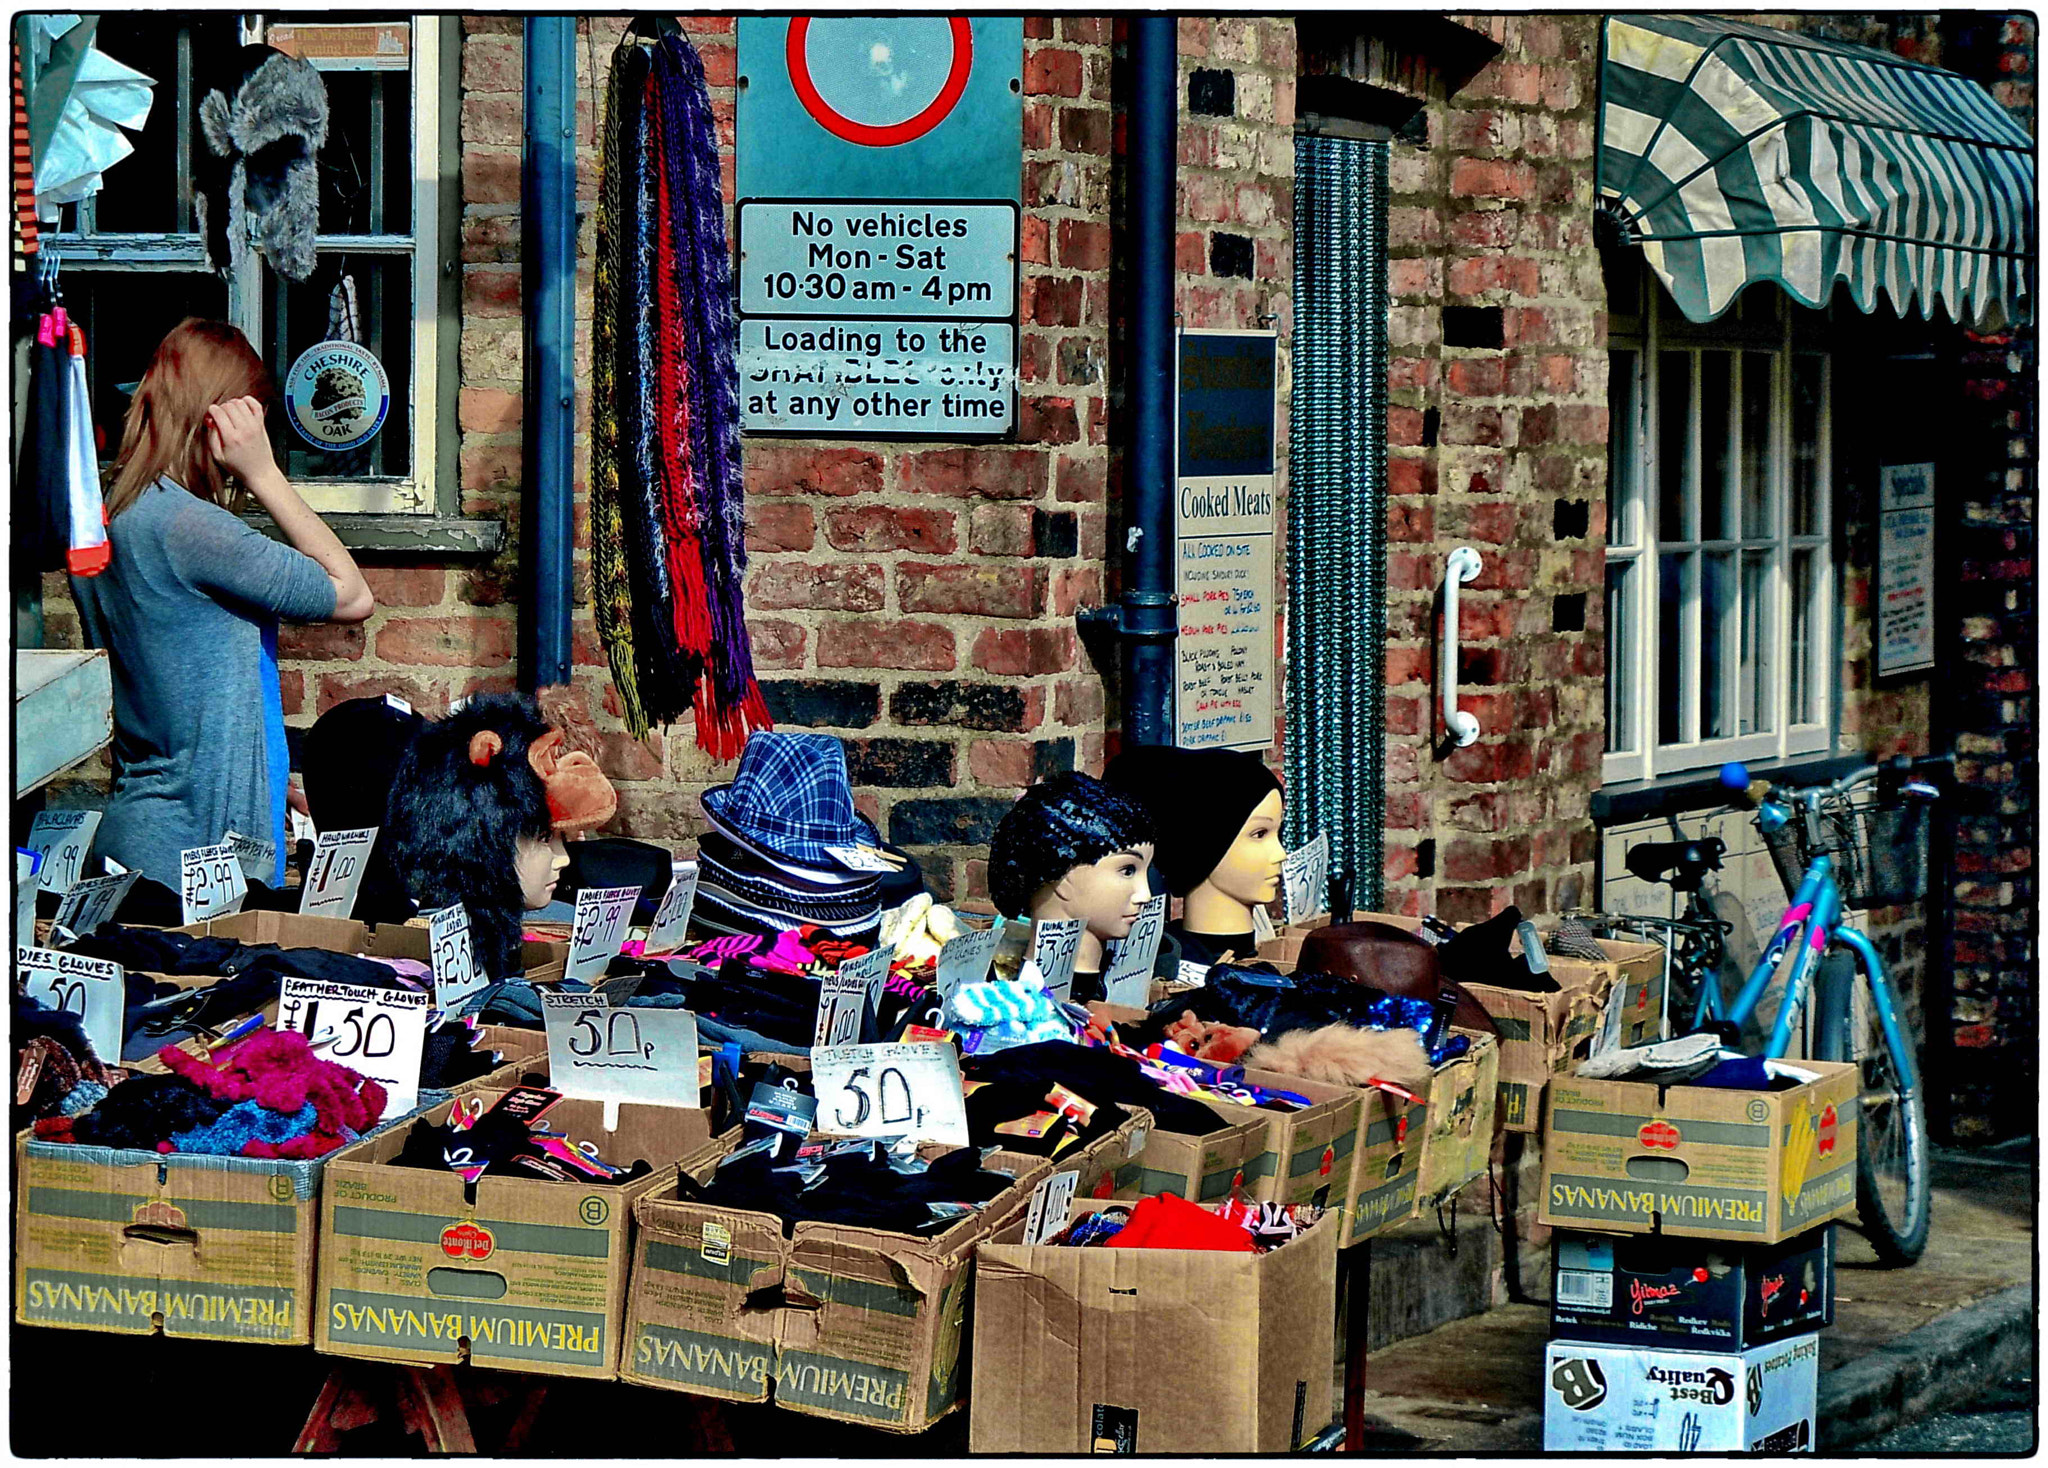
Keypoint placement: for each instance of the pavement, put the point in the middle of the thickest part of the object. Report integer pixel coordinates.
(1906, 1346)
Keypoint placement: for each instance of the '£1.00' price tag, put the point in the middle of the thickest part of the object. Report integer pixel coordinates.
(848, 992)
(339, 860)
(603, 914)
(890, 1091)
(91, 903)
(210, 882)
(379, 1033)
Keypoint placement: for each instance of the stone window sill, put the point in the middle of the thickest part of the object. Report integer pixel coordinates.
(425, 536)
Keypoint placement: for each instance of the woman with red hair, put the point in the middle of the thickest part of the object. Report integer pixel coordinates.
(190, 603)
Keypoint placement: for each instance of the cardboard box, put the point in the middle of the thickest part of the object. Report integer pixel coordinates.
(1616, 1400)
(854, 1324)
(1458, 1136)
(1690, 1294)
(138, 1242)
(1386, 1183)
(1637, 967)
(1543, 1034)
(540, 961)
(1755, 1167)
(521, 1273)
(1072, 1348)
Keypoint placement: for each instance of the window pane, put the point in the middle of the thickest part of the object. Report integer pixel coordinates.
(140, 194)
(1717, 643)
(1717, 458)
(1674, 444)
(124, 315)
(1801, 680)
(1621, 669)
(366, 167)
(1757, 399)
(1809, 378)
(1673, 574)
(1756, 673)
(296, 317)
(1623, 447)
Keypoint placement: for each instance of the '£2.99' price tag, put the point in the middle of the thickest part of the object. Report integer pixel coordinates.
(210, 882)
(909, 1091)
(379, 1033)
(64, 837)
(603, 914)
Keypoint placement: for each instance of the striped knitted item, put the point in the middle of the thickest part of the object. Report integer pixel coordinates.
(1004, 1013)
(25, 227)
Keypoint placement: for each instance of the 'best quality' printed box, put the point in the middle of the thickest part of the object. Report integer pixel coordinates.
(1611, 1399)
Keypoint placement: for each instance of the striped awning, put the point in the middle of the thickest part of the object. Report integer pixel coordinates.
(1734, 153)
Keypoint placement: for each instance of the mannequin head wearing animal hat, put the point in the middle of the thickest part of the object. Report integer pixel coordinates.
(1217, 815)
(1073, 848)
(480, 809)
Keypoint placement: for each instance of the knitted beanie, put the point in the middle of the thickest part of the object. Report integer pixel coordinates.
(1068, 821)
(1199, 799)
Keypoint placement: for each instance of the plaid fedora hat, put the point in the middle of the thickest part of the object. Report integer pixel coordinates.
(791, 799)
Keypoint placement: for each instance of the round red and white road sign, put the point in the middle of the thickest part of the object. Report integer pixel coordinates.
(880, 81)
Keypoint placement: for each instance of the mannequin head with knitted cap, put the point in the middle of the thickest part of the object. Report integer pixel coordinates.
(480, 809)
(1217, 814)
(1073, 848)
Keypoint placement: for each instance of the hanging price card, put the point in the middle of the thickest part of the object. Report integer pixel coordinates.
(91, 903)
(854, 987)
(607, 1054)
(1305, 879)
(909, 1091)
(603, 914)
(1055, 942)
(91, 988)
(1050, 1201)
(452, 957)
(339, 861)
(965, 960)
(672, 918)
(1127, 979)
(210, 882)
(379, 1033)
(64, 837)
(258, 857)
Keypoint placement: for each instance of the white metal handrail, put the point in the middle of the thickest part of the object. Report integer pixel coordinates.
(1462, 566)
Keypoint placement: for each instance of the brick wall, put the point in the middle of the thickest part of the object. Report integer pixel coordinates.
(1499, 443)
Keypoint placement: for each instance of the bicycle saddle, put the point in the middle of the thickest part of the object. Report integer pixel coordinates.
(1686, 861)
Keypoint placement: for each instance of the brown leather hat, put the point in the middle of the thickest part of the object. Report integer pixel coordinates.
(1391, 959)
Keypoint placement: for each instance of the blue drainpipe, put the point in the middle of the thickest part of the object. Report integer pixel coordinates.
(547, 233)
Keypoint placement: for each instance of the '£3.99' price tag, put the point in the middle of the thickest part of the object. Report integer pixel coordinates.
(891, 1091)
(1305, 880)
(379, 1033)
(210, 882)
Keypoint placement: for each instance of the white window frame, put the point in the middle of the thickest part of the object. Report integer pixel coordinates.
(1635, 536)
(416, 492)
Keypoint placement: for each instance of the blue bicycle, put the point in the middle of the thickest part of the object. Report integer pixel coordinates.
(1856, 844)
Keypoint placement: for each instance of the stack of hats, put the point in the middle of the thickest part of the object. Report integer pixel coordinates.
(786, 847)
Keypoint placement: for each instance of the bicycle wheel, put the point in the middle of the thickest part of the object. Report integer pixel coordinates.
(1893, 1168)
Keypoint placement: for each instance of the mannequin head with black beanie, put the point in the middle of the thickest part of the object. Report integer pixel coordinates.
(1217, 815)
(1073, 848)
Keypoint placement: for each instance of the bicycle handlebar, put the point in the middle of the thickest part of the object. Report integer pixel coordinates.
(1736, 778)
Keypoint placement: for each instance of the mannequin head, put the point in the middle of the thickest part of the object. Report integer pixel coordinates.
(1073, 848)
(1217, 812)
(479, 810)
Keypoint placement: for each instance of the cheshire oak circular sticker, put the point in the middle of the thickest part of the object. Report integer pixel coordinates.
(336, 396)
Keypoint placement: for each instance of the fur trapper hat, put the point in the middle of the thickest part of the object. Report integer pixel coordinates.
(264, 133)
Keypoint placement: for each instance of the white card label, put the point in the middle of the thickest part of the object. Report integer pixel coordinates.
(608, 1054)
(339, 860)
(24, 899)
(452, 957)
(909, 1091)
(301, 825)
(855, 985)
(1050, 1201)
(965, 960)
(64, 837)
(258, 857)
(1127, 979)
(603, 915)
(392, 700)
(379, 1033)
(91, 903)
(860, 858)
(1611, 1015)
(1055, 942)
(1192, 973)
(1262, 925)
(92, 988)
(672, 918)
(1305, 878)
(210, 882)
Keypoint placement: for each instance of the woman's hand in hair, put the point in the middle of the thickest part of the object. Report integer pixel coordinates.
(235, 433)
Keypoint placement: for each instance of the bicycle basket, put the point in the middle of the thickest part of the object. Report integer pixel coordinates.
(1879, 850)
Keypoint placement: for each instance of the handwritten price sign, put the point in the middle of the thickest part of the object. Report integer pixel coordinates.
(603, 914)
(379, 1033)
(607, 1054)
(210, 882)
(1305, 879)
(1128, 979)
(965, 960)
(257, 856)
(91, 903)
(339, 860)
(64, 837)
(672, 918)
(847, 993)
(452, 957)
(1055, 944)
(909, 1091)
(92, 988)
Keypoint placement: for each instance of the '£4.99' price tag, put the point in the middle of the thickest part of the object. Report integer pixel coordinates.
(909, 1091)
(603, 914)
(210, 882)
(1128, 978)
(379, 1033)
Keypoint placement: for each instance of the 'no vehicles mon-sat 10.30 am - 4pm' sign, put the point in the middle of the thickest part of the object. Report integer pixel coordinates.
(880, 162)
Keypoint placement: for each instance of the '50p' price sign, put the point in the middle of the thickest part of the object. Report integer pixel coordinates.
(909, 1091)
(1305, 880)
(94, 989)
(603, 914)
(379, 1033)
(339, 860)
(210, 882)
(620, 1054)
